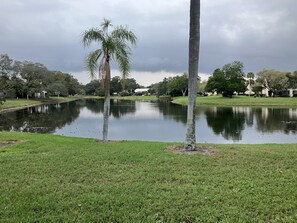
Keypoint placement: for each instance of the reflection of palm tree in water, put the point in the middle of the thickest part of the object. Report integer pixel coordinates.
(118, 109)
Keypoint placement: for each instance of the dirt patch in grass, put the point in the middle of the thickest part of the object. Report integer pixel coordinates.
(9, 142)
(199, 150)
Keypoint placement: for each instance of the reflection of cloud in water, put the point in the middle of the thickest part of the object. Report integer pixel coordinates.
(88, 114)
(146, 110)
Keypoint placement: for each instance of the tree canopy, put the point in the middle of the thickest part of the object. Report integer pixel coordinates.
(227, 80)
(26, 79)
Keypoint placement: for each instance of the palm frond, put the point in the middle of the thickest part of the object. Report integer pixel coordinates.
(93, 35)
(124, 34)
(121, 55)
(105, 25)
(92, 61)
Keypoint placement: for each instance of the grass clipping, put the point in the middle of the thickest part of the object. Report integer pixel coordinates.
(199, 150)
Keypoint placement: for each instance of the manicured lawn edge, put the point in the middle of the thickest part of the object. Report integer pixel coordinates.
(49, 178)
(16, 104)
(239, 101)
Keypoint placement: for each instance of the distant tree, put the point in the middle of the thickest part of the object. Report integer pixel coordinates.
(33, 74)
(94, 88)
(57, 89)
(5, 69)
(257, 88)
(160, 88)
(6, 65)
(194, 43)
(274, 80)
(227, 80)
(292, 79)
(178, 85)
(113, 46)
(129, 85)
(116, 85)
(201, 86)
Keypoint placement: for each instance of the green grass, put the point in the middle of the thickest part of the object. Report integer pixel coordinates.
(136, 98)
(13, 104)
(240, 101)
(49, 178)
(131, 98)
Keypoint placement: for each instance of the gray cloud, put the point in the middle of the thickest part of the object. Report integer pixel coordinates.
(261, 34)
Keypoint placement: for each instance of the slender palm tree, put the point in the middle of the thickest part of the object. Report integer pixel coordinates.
(250, 77)
(194, 41)
(113, 47)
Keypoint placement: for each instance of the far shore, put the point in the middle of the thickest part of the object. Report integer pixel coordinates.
(16, 104)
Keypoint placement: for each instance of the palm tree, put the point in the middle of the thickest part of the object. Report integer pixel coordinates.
(194, 40)
(250, 77)
(113, 47)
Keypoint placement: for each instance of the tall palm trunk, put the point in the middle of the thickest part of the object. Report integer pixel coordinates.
(193, 73)
(106, 108)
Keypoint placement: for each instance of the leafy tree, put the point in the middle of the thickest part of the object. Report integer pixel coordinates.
(116, 85)
(227, 80)
(160, 88)
(194, 40)
(257, 88)
(201, 86)
(94, 88)
(292, 79)
(6, 65)
(274, 80)
(57, 89)
(129, 84)
(5, 69)
(178, 85)
(33, 74)
(113, 46)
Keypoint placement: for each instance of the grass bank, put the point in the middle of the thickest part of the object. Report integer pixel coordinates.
(49, 178)
(14, 104)
(131, 98)
(240, 101)
(136, 98)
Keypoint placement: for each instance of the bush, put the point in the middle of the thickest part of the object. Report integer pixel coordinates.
(164, 98)
(125, 93)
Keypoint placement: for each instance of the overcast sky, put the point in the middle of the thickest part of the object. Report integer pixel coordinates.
(260, 33)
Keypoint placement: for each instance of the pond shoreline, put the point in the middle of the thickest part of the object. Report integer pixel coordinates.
(218, 101)
(18, 104)
(240, 101)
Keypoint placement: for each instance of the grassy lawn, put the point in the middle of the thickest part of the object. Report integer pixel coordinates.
(49, 178)
(137, 98)
(12, 104)
(240, 101)
(131, 98)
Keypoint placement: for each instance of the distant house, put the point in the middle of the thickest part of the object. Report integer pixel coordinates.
(141, 91)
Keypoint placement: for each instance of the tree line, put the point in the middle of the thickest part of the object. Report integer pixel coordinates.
(25, 79)
(231, 78)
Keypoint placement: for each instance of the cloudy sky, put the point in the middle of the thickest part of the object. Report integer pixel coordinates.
(260, 33)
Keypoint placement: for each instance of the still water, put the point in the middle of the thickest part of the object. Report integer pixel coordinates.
(157, 121)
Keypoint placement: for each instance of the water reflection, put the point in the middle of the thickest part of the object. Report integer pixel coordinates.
(229, 122)
(157, 121)
(118, 108)
(273, 120)
(40, 119)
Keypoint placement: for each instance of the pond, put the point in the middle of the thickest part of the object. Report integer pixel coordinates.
(157, 121)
